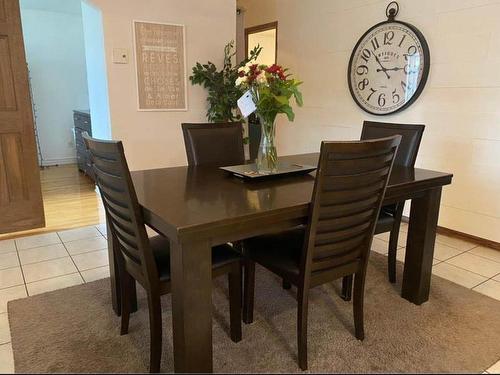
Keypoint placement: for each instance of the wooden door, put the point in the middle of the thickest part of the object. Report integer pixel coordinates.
(21, 204)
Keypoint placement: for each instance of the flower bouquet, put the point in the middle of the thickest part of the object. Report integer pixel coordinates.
(271, 89)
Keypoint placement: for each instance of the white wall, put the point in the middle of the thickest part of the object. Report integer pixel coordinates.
(154, 139)
(56, 58)
(96, 71)
(459, 106)
(266, 40)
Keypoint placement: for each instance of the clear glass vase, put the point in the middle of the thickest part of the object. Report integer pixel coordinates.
(267, 158)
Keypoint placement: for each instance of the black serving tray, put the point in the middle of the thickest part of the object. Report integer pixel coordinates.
(250, 172)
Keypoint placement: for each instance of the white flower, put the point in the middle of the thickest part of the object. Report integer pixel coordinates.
(245, 68)
(241, 80)
(261, 78)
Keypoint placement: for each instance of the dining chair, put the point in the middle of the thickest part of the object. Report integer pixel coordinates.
(147, 260)
(390, 216)
(348, 192)
(214, 144)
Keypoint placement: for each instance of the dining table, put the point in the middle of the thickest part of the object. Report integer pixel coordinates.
(198, 207)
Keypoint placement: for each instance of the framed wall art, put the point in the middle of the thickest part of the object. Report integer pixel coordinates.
(160, 59)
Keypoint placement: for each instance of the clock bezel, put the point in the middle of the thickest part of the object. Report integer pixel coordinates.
(425, 72)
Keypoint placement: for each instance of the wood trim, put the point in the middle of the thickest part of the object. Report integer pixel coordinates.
(464, 236)
(468, 237)
(259, 28)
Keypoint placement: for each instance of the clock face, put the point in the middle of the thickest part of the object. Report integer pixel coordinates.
(388, 68)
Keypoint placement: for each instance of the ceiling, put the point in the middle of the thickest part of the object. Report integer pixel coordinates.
(62, 6)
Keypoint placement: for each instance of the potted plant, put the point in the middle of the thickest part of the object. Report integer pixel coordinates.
(222, 93)
(271, 88)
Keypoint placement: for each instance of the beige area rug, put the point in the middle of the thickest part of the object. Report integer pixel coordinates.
(74, 330)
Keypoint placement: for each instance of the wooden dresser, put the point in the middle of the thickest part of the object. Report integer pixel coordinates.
(82, 124)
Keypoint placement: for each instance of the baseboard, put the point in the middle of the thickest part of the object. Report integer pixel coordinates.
(464, 236)
(52, 162)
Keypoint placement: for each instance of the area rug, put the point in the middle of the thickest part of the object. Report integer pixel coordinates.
(73, 330)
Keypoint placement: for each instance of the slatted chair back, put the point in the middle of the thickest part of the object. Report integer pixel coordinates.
(410, 141)
(215, 144)
(123, 212)
(348, 193)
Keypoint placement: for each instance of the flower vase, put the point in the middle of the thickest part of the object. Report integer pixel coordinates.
(267, 158)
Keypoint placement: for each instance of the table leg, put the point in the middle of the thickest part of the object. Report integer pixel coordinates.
(420, 246)
(114, 277)
(191, 269)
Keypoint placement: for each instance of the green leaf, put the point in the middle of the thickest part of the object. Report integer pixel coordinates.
(283, 100)
(298, 96)
(289, 112)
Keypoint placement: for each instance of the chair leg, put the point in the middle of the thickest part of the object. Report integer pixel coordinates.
(393, 242)
(242, 269)
(125, 283)
(359, 291)
(391, 261)
(303, 300)
(248, 295)
(234, 278)
(155, 329)
(346, 288)
(286, 285)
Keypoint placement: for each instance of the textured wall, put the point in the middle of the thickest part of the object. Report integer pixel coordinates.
(154, 139)
(460, 105)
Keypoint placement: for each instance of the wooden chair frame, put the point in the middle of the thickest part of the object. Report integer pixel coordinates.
(339, 234)
(135, 258)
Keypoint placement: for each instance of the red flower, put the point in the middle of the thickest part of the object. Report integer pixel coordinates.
(276, 70)
(241, 74)
(271, 69)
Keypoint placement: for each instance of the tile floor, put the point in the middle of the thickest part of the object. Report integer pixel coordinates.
(45, 262)
(50, 261)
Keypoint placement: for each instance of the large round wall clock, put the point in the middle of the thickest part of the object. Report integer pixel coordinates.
(389, 66)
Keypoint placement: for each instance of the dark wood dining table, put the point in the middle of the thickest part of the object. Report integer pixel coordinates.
(200, 207)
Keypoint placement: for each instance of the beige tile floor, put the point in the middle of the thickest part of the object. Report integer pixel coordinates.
(50, 261)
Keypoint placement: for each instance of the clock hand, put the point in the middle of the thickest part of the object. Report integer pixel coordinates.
(383, 68)
(390, 69)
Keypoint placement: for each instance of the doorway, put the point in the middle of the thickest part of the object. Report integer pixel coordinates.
(64, 47)
(265, 36)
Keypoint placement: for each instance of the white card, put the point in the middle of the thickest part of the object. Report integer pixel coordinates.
(246, 104)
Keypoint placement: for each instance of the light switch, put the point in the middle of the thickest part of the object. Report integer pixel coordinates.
(120, 56)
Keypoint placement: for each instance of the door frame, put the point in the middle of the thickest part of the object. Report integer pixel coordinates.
(258, 29)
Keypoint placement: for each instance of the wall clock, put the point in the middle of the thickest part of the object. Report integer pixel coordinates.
(389, 66)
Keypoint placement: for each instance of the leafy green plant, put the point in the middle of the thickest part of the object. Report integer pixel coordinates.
(222, 93)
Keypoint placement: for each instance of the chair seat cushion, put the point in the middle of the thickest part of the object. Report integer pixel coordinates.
(280, 252)
(221, 256)
(385, 222)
